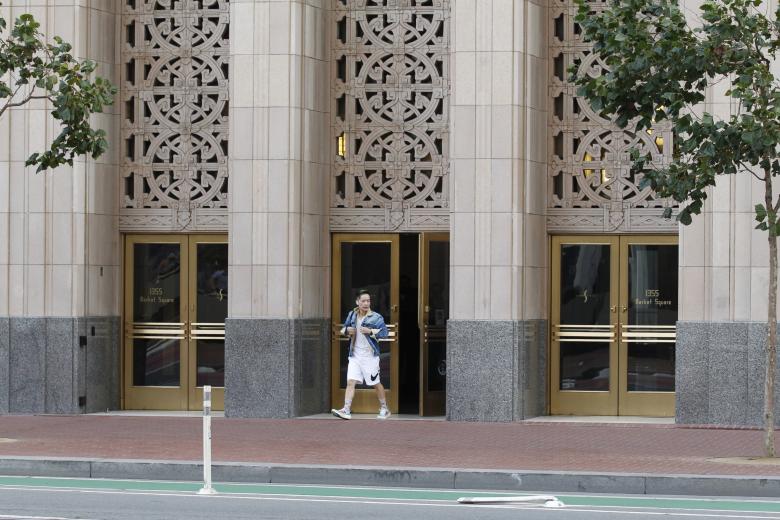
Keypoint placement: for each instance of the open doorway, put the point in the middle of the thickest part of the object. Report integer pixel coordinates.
(408, 277)
(408, 322)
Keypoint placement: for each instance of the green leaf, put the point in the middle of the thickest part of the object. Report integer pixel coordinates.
(760, 212)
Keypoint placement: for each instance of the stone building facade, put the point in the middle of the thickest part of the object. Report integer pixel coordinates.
(269, 157)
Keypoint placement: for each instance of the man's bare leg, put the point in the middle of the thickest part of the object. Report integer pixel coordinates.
(380, 393)
(384, 413)
(349, 394)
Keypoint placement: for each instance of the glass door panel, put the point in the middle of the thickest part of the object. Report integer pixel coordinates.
(435, 284)
(649, 302)
(367, 262)
(208, 311)
(155, 348)
(584, 320)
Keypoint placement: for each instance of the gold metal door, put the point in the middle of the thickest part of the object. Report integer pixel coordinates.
(613, 315)
(370, 262)
(434, 301)
(584, 322)
(155, 347)
(175, 310)
(208, 309)
(648, 316)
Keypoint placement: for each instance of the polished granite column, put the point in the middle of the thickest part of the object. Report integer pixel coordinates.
(59, 365)
(276, 368)
(496, 370)
(720, 372)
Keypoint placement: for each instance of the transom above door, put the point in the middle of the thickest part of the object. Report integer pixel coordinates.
(613, 316)
(174, 333)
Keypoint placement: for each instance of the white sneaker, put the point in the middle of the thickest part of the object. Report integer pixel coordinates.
(384, 413)
(343, 413)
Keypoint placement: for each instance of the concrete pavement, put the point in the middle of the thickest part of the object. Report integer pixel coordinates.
(611, 458)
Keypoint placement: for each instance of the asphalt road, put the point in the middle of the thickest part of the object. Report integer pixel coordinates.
(69, 499)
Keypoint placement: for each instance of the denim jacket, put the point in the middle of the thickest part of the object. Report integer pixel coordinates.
(372, 320)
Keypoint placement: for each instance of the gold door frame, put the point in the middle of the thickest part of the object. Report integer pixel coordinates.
(582, 402)
(201, 330)
(155, 397)
(186, 396)
(618, 401)
(431, 403)
(654, 404)
(365, 399)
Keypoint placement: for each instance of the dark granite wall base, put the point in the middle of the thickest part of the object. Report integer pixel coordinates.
(5, 383)
(496, 370)
(276, 368)
(44, 368)
(720, 373)
(100, 377)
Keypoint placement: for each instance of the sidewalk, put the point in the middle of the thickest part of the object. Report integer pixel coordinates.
(630, 458)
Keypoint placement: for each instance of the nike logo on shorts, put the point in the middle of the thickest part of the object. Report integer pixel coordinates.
(374, 377)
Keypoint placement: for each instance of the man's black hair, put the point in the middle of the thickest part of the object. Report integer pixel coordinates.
(361, 292)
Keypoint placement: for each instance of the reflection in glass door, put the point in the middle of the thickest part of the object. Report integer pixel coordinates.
(434, 285)
(175, 309)
(613, 316)
(369, 262)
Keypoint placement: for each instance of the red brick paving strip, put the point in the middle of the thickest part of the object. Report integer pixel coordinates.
(515, 446)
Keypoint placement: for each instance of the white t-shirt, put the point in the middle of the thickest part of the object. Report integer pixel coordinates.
(362, 345)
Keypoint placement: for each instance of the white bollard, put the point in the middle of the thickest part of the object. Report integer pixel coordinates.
(207, 489)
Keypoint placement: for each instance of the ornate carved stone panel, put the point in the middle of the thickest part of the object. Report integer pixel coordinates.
(592, 186)
(174, 115)
(390, 115)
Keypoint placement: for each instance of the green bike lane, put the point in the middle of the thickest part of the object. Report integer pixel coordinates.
(693, 504)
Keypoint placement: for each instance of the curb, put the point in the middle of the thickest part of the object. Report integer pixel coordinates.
(436, 478)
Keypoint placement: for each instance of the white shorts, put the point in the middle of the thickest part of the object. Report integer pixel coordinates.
(363, 368)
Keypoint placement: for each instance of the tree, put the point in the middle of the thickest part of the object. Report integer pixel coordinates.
(31, 68)
(659, 66)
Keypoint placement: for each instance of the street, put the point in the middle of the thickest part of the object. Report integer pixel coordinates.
(32, 498)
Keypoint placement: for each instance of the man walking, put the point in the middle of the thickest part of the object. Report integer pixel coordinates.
(364, 328)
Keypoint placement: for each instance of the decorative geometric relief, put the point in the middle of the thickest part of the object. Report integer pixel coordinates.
(174, 125)
(590, 166)
(390, 117)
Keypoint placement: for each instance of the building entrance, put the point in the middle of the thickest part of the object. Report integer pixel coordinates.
(408, 278)
(613, 316)
(174, 332)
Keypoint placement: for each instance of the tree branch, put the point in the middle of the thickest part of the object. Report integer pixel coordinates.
(753, 173)
(8, 103)
(24, 101)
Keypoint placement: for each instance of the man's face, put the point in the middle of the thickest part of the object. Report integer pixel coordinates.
(364, 302)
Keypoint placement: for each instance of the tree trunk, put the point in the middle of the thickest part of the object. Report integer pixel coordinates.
(771, 339)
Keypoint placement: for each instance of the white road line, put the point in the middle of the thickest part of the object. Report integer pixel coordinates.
(659, 513)
(22, 517)
(385, 502)
(658, 508)
(676, 498)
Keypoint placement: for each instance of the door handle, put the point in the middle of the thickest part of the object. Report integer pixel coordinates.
(623, 308)
(613, 308)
